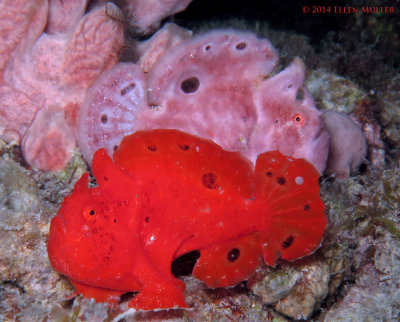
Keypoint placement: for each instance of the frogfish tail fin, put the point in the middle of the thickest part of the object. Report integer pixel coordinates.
(296, 214)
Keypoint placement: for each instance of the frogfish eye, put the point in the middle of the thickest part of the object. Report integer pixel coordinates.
(299, 119)
(89, 213)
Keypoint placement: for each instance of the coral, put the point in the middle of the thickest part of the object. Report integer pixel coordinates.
(273, 284)
(308, 293)
(333, 92)
(45, 73)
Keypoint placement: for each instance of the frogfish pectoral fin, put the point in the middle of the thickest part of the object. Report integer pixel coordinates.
(229, 263)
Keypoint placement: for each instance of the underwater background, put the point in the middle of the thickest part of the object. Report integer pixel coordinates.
(352, 56)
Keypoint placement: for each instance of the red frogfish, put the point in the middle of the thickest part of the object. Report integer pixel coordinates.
(167, 193)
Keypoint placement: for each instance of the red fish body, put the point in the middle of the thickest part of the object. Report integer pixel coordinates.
(168, 193)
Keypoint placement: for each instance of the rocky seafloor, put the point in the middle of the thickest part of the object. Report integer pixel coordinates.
(354, 276)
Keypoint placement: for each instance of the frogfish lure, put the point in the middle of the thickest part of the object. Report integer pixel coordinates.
(168, 193)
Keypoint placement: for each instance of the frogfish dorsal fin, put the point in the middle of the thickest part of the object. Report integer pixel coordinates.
(110, 177)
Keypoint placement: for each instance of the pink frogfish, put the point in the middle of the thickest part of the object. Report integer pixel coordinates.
(217, 85)
(167, 193)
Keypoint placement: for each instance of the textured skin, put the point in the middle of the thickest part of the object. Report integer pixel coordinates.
(221, 107)
(151, 50)
(289, 121)
(110, 108)
(169, 193)
(216, 86)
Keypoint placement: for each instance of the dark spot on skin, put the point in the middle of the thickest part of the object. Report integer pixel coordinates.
(290, 86)
(298, 118)
(127, 89)
(152, 148)
(104, 119)
(184, 147)
(240, 46)
(126, 297)
(209, 180)
(92, 212)
(306, 207)
(281, 180)
(115, 147)
(208, 47)
(300, 95)
(115, 220)
(190, 85)
(269, 174)
(105, 178)
(147, 219)
(233, 255)
(288, 242)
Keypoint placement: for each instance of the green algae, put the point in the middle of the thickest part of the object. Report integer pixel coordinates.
(389, 225)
